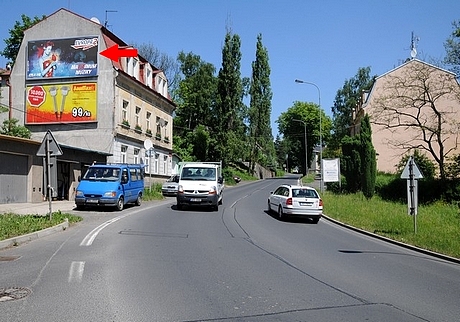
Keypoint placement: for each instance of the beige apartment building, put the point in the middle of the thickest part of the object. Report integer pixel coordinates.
(109, 109)
(415, 105)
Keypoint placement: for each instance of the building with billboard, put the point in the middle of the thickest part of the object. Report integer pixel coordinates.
(61, 83)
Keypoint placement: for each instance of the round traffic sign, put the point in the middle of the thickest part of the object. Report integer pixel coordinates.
(36, 96)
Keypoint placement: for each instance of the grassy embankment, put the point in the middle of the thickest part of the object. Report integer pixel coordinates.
(13, 225)
(437, 225)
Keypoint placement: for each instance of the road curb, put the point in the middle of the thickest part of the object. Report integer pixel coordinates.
(395, 242)
(15, 241)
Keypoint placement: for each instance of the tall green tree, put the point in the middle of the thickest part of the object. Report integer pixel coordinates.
(368, 161)
(13, 43)
(358, 163)
(195, 105)
(261, 138)
(230, 109)
(350, 162)
(347, 99)
(452, 46)
(294, 131)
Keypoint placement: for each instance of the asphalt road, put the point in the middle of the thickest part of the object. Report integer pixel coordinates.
(155, 263)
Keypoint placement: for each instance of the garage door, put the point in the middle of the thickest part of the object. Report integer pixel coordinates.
(13, 178)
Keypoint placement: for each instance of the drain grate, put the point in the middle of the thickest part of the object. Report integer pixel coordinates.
(13, 293)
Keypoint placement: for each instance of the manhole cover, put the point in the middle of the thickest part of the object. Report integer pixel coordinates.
(13, 293)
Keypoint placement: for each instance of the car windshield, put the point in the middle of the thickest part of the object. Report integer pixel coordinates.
(196, 173)
(102, 174)
(304, 193)
(172, 179)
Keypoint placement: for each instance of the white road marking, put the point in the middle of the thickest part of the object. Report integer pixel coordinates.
(76, 272)
(88, 240)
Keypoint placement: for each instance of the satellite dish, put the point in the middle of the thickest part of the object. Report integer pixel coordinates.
(413, 52)
(94, 19)
(148, 144)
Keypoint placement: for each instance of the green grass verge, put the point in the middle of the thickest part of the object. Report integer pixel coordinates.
(13, 225)
(153, 192)
(438, 224)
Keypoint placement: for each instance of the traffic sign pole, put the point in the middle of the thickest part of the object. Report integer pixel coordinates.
(411, 173)
(412, 194)
(49, 146)
(48, 176)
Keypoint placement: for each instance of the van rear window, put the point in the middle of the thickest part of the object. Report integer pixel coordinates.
(136, 174)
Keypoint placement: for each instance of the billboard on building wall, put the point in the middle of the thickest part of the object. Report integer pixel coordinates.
(61, 103)
(62, 58)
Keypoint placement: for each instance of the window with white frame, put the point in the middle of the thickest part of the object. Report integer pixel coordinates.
(158, 85)
(123, 154)
(165, 164)
(137, 116)
(136, 155)
(155, 170)
(164, 89)
(161, 86)
(124, 111)
(166, 136)
(130, 67)
(158, 121)
(147, 164)
(147, 121)
(148, 77)
(136, 69)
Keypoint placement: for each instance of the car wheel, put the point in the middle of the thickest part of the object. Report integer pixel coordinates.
(215, 207)
(315, 220)
(120, 204)
(179, 206)
(280, 212)
(269, 207)
(80, 207)
(139, 200)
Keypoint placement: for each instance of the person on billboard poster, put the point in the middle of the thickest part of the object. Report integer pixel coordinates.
(47, 59)
(62, 58)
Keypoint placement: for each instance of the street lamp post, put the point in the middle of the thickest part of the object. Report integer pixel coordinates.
(320, 131)
(305, 133)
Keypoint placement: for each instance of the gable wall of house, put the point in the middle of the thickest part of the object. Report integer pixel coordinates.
(392, 144)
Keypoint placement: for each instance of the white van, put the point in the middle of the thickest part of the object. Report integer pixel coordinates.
(200, 184)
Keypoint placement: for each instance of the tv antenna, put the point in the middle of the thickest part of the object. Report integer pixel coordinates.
(106, 23)
(413, 43)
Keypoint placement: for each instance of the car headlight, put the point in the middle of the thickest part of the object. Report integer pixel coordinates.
(79, 193)
(110, 194)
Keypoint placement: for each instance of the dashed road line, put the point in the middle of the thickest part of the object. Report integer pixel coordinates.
(76, 272)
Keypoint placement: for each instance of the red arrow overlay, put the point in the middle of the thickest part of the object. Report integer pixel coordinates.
(114, 53)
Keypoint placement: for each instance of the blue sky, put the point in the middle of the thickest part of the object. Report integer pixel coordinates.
(324, 41)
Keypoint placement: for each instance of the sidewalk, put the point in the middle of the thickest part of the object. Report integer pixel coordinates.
(38, 208)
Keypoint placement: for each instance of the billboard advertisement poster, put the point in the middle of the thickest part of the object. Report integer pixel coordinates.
(62, 58)
(61, 103)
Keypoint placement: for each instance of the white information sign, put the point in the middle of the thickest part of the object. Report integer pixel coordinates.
(331, 170)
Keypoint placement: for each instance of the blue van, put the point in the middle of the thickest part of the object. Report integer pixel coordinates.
(111, 185)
